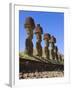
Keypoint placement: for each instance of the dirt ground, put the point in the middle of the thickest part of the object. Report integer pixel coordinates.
(45, 74)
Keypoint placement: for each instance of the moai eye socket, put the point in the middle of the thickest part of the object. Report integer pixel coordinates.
(28, 27)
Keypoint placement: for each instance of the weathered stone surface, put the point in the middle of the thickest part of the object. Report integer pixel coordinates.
(47, 37)
(52, 42)
(39, 64)
(38, 32)
(29, 26)
(47, 62)
(29, 46)
(29, 23)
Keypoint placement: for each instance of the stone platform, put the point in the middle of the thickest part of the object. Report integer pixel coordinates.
(35, 63)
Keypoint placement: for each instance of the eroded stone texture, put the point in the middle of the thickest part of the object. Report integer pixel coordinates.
(52, 47)
(60, 58)
(46, 48)
(55, 52)
(29, 26)
(39, 32)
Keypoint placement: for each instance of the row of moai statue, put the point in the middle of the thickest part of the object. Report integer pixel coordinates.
(50, 49)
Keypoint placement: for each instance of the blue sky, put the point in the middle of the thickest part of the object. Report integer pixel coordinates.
(51, 22)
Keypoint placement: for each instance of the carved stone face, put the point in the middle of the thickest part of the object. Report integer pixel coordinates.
(53, 39)
(46, 39)
(29, 23)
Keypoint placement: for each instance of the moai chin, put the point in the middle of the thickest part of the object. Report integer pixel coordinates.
(38, 32)
(29, 26)
(46, 48)
(51, 47)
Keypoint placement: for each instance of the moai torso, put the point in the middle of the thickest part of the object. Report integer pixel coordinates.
(39, 49)
(29, 26)
(46, 48)
(51, 49)
(38, 32)
(29, 46)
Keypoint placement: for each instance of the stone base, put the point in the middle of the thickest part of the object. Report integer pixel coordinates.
(27, 65)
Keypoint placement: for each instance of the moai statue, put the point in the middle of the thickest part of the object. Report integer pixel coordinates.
(39, 32)
(47, 37)
(56, 53)
(52, 42)
(29, 26)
